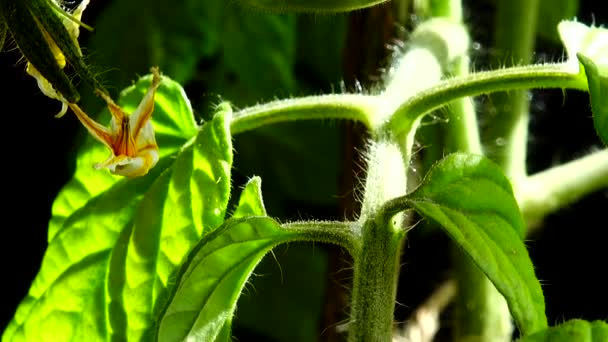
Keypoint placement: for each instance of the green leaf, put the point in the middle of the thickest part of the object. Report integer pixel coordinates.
(313, 6)
(67, 297)
(573, 330)
(92, 219)
(250, 202)
(188, 201)
(173, 123)
(292, 269)
(550, 13)
(473, 201)
(598, 93)
(209, 285)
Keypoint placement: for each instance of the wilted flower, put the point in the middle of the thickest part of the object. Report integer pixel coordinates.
(130, 138)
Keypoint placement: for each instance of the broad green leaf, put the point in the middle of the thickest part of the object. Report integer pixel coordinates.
(598, 93)
(573, 330)
(90, 215)
(209, 285)
(473, 202)
(173, 123)
(550, 13)
(186, 202)
(66, 300)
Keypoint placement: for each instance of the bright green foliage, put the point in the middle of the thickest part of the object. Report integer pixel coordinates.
(598, 93)
(186, 202)
(472, 200)
(574, 330)
(212, 279)
(113, 250)
(173, 123)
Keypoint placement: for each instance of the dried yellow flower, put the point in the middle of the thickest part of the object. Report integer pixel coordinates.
(130, 138)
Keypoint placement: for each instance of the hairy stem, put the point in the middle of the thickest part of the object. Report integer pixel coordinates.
(463, 131)
(376, 269)
(347, 106)
(524, 77)
(334, 232)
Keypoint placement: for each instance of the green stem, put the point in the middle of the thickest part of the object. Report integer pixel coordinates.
(347, 106)
(376, 263)
(515, 35)
(463, 130)
(562, 185)
(334, 232)
(480, 311)
(525, 77)
(376, 269)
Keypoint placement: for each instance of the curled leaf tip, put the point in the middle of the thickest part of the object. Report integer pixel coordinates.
(130, 137)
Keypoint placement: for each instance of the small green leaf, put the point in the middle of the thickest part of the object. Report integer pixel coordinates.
(573, 330)
(209, 285)
(313, 6)
(598, 93)
(173, 123)
(250, 202)
(185, 203)
(473, 202)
